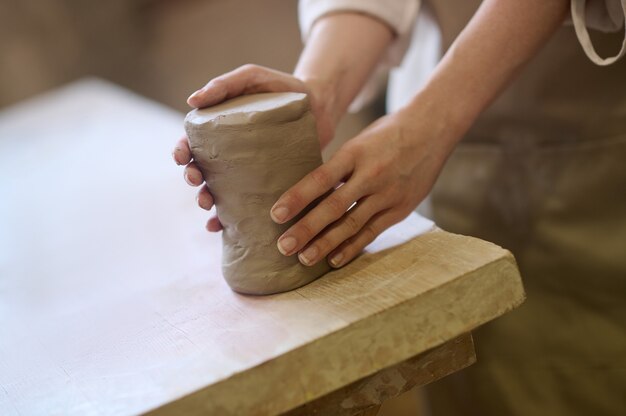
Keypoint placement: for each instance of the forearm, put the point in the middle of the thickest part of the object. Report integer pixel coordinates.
(342, 51)
(487, 55)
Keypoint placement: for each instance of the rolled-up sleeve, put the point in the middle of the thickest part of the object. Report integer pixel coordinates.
(603, 15)
(399, 15)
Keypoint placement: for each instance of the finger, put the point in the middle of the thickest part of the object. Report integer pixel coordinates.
(204, 198)
(192, 174)
(311, 187)
(354, 245)
(182, 152)
(329, 210)
(350, 224)
(214, 225)
(246, 79)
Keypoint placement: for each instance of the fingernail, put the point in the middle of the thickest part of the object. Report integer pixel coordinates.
(336, 260)
(279, 214)
(187, 178)
(286, 245)
(194, 94)
(308, 256)
(176, 149)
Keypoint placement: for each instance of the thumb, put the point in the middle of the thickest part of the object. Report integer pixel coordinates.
(247, 79)
(216, 91)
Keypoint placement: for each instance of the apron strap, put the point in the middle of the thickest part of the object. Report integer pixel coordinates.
(580, 25)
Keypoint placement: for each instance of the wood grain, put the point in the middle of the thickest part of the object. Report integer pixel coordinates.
(378, 311)
(112, 300)
(368, 394)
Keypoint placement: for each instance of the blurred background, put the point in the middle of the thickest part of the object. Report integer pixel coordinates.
(161, 49)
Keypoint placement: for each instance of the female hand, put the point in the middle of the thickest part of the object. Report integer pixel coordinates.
(250, 79)
(387, 169)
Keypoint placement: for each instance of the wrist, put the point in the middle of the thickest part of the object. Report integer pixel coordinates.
(322, 101)
(323, 96)
(433, 115)
(340, 53)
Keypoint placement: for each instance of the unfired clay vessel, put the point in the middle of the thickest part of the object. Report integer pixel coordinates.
(251, 149)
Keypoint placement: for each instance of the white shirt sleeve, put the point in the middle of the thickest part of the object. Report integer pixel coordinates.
(400, 15)
(603, 15)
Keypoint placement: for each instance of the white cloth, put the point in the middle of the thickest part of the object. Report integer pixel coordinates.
(604, 15)
(401, 16)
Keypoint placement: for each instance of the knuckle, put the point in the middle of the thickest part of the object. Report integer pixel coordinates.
(322, 178)
(349, 250)
(335, 205)
(191, 169)
(250, 73)
(306, 230)
(294, 199)
(352, 225)
(324, 245)
(351, 149)
(352, 152)
(375, 171)
(219, 84)
(249, 68)
(349, 243)
(217, 81)
(369, 234)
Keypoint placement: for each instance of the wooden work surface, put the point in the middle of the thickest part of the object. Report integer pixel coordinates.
(112, 300)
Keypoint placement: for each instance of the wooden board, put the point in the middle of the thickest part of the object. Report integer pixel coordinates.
(112, 301)
(370, 392)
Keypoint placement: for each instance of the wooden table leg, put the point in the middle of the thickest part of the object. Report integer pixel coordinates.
(364, 397)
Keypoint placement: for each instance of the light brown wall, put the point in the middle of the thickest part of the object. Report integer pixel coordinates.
(162, 49)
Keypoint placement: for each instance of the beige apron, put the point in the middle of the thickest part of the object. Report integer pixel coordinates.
(543, 173)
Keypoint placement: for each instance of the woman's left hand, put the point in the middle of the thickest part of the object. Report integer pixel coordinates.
(383, 174)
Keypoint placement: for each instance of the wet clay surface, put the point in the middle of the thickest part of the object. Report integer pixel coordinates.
(250, 150)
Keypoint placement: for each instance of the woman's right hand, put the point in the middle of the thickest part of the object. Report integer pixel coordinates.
(250, 79)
